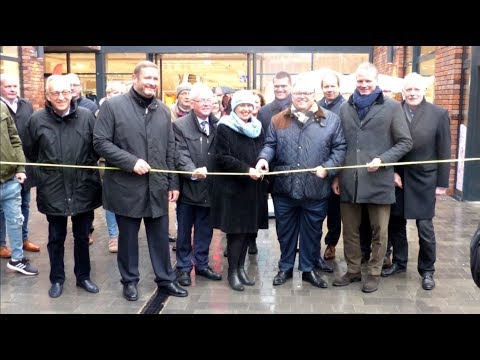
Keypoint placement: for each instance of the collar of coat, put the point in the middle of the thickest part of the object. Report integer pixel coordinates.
(138, 99)
(284, 118)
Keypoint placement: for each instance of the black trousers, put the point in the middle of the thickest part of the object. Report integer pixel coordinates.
(157, 239)
(397, 234)
(334, 220)
(57, 233)
(427, 243)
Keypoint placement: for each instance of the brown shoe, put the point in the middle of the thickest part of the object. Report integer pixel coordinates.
(329, 252)
(5, 252)
(90, 238)
(347, 278)
(29, 246)
(371, 284)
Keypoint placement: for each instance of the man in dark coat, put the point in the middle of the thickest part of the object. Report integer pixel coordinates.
(430, 128)
(62, 134)
(282, 89)
(20, 109)
(194, 135)
(376, 133)
(304, 136)
(134, 132)
(76, 89)
(332, 100)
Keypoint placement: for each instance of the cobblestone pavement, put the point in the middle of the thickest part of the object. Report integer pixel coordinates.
(455, 291)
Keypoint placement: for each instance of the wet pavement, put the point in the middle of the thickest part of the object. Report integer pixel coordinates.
(455, 291)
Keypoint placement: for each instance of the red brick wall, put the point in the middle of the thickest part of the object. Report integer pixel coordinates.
(32, 73)
(448, 70)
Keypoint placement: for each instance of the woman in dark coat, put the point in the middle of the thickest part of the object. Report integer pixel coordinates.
(239, 203)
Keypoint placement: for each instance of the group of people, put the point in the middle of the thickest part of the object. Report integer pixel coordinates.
(137, 133)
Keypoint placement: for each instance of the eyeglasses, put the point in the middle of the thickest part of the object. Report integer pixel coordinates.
(302, 93)
(204, 101)
(55, 94)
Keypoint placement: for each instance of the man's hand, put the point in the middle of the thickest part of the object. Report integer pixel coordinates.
(255, 174)
(21, 177)
(440, 191)
(336, 185)
(398, 180)
(173, 195)
(321, 172)
(374, 165)
(200, 173)
(262, 166)
(141, 167)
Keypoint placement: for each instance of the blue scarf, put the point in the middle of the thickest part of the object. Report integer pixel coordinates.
(251, 129)
(364, 102)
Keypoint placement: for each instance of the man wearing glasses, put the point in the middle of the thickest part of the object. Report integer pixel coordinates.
(76, 90)
(304, 136)
(62, 133)
(194, 135)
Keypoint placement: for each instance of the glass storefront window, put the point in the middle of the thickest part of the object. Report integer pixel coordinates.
(211, 69)
(9, 67)
(11, 51)
(123, 63)
(82, 63)
(55, 63)
(427, 49)
(427, 69)
(342, 63)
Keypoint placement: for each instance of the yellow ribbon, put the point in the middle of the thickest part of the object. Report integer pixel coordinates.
(234, 173)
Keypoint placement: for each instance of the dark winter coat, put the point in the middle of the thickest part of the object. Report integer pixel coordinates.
(24, 111)
(382, 133)
(127, 130)
(267, 112)
(292, 145)
(430, 130)
(194, 150)
(67, 140)
(239, 203)
(333, 106)
(475, 256)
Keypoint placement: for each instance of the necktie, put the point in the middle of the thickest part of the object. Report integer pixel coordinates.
(203, 126)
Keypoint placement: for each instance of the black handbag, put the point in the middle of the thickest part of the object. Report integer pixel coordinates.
(475, 256)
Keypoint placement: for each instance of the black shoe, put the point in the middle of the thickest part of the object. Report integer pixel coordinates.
(173, 289)
(172, 239)
(394, 269)
(88, 285)
(282, 277)
(208, 273)
(313, 278)
(323, 266)
(428, 283)
(252, 248)
(130, 291)
(183, 278)
(55, 290)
